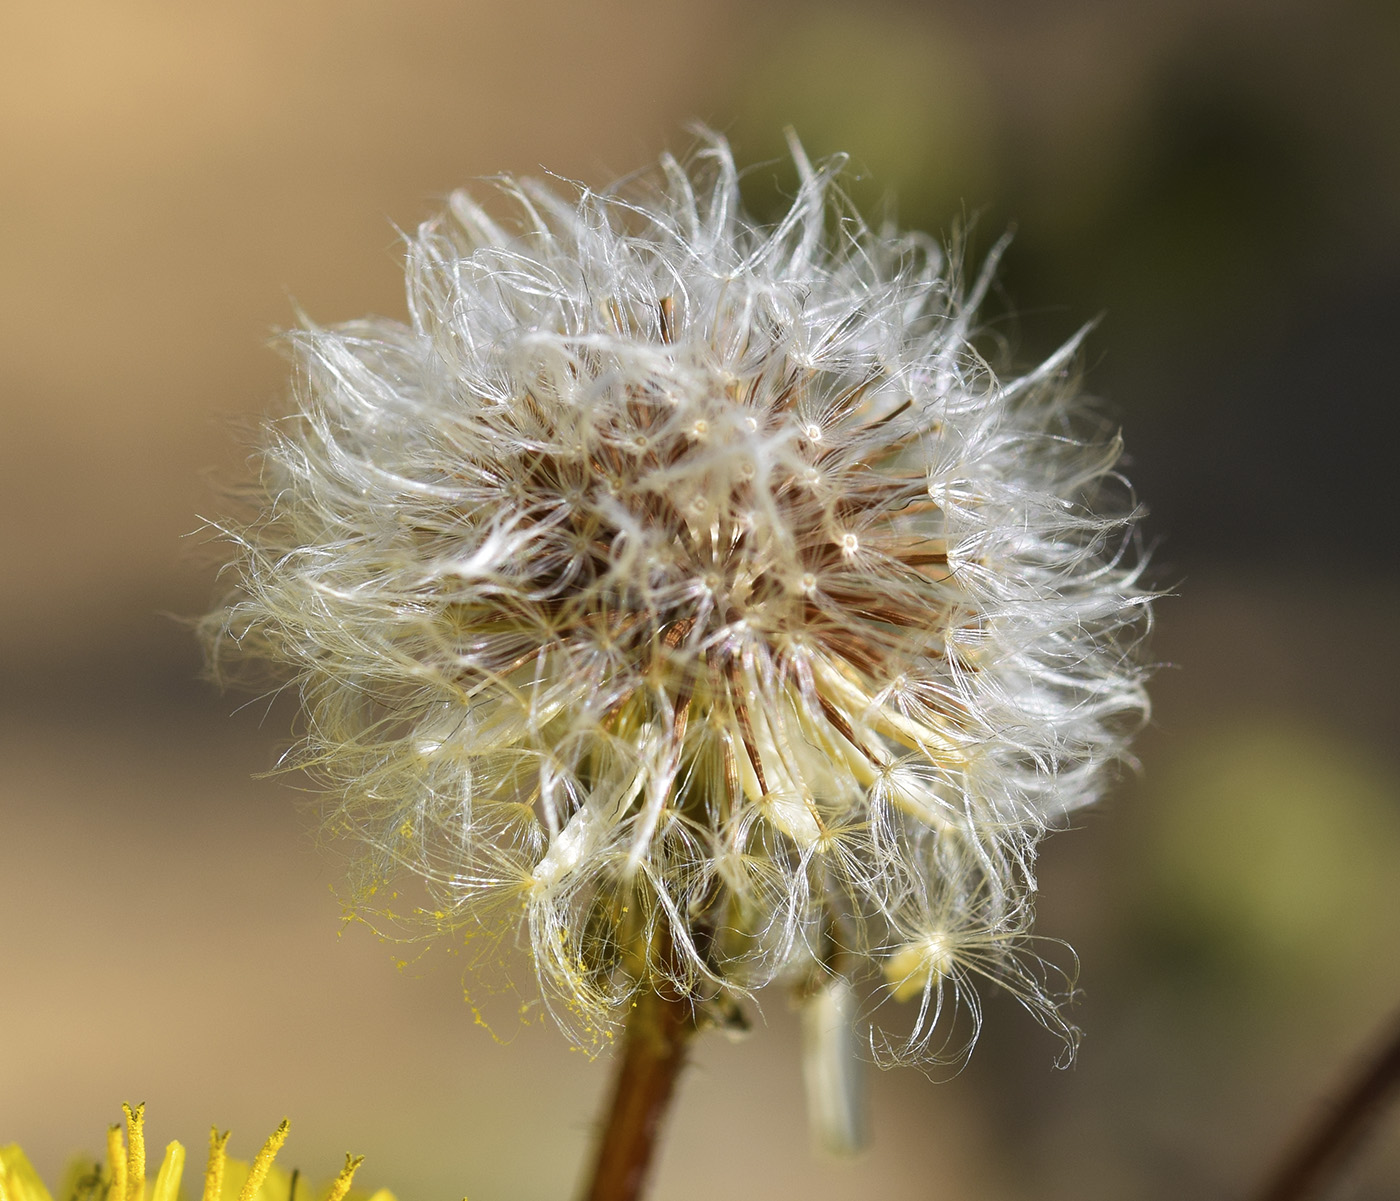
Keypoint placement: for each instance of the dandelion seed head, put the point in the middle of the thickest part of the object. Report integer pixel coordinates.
(670, 572)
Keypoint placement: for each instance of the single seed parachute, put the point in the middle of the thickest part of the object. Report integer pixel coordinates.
(691, 598)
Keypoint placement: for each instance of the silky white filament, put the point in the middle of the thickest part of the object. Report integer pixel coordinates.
(674, 581)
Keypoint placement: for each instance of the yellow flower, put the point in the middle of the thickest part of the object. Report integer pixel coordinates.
(124, 1176)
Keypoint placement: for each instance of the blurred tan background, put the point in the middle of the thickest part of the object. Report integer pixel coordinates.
(1221, 181)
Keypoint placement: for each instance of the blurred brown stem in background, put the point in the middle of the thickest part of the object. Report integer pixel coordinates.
(653, 1052)
(1323, 1147)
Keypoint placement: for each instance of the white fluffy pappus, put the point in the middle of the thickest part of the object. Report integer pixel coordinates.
(689, 598)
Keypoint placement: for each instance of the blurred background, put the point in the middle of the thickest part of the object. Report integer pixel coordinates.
(1218, 182)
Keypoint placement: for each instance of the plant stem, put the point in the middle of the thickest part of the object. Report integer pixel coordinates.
(1338, 1129)
(653, 1052)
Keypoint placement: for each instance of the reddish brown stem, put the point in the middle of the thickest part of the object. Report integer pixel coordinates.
(653, 1052)
(1324, 1146)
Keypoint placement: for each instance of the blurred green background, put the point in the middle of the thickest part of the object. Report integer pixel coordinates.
(1218, 183)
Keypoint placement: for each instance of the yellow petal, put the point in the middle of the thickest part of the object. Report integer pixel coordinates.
(18, 1179)
(172, 1167)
